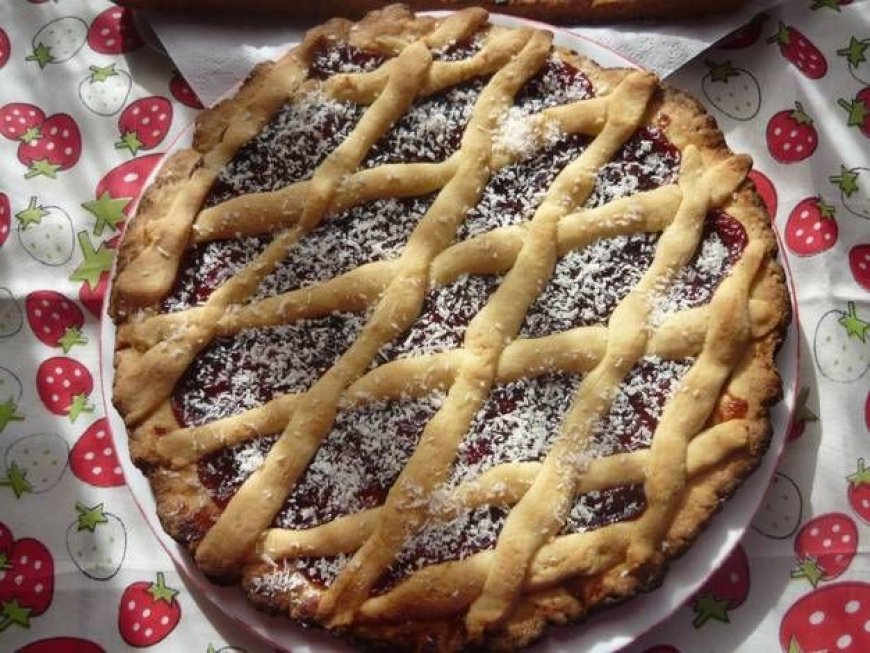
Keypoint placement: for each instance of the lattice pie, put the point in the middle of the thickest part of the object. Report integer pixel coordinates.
(439, 333)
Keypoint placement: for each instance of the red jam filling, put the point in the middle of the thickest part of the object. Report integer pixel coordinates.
(235, 374)
(331, 59)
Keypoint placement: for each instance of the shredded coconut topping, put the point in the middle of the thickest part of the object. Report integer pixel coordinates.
(514, 193)
(235, 374)
(358, 461)
(588, 283)
(431, 129)
(447, 310)
(518, 422)
(289, 148)
(637, 407)
(373, 231)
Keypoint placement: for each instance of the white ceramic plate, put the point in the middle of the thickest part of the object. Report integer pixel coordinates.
(604, 632)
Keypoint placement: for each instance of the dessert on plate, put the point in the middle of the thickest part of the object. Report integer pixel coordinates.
(439, 333)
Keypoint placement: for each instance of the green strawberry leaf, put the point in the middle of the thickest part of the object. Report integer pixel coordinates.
(102, 73)
(107, 211)
(721, 72)
(799, 115)
(41, 55)
(846, 181)
(94, 263)
(706, 607)
(71, 337)
(32, 215)
(794, 647)
(16, 480)
(12, 612)
(854, 325)
(42, 167)
(129, 141)
(30, 135)
(854, 53)
(79, 406)
(857, 110)
(782, 36)
(90, 517)
(809, 569)
(160, 592)
(9, 413)
(860, 477)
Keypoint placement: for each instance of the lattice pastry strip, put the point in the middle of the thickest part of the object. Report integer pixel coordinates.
(555, 124)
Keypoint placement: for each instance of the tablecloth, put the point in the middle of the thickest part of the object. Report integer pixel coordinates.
(86, 109)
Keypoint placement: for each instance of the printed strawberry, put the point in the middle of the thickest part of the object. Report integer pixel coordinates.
(144, 124)
(798, 49)
(45, 232)
(859, 263)
(148, 612)
(62, 645)
(64, 386)
(56, 321)
(724, 591)
(114, 32)
(831, 618)
(859, 485)
(802, 415)
(96, 542)
(854, 188)
(825, 547)
(791, 136)
(859, 111)
(5, 47)
(811, 227)
(93, 458)
(26, 579)
(58, 41)
(856, 55)
(35, 464)
(733, 91)
(10, 398)
(57, 146)
(766, 190)
(105, 90)
(5, 218)
(117, 191)
(841, 345)
(780, 514)
(181, 91)
(744, 36)
(11, 319)
(93, 272)
(20, 121)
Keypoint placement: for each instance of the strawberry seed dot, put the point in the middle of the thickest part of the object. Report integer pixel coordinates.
(844, 642)
(826, 543)
(98, 470)
(149, 632)
(846, 538)
(136, 627)
(38, 588)
(164, 620)
(853, 606)
(107, 451)
(817, 617)
(131, 605)
(89, 455)
(101, 434)
(146, 613)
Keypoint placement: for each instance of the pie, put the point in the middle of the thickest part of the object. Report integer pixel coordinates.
(439, 333)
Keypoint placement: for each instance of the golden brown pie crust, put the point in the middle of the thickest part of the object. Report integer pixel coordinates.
(710, 437)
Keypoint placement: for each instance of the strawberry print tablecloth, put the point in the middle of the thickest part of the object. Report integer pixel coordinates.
(86, 111)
